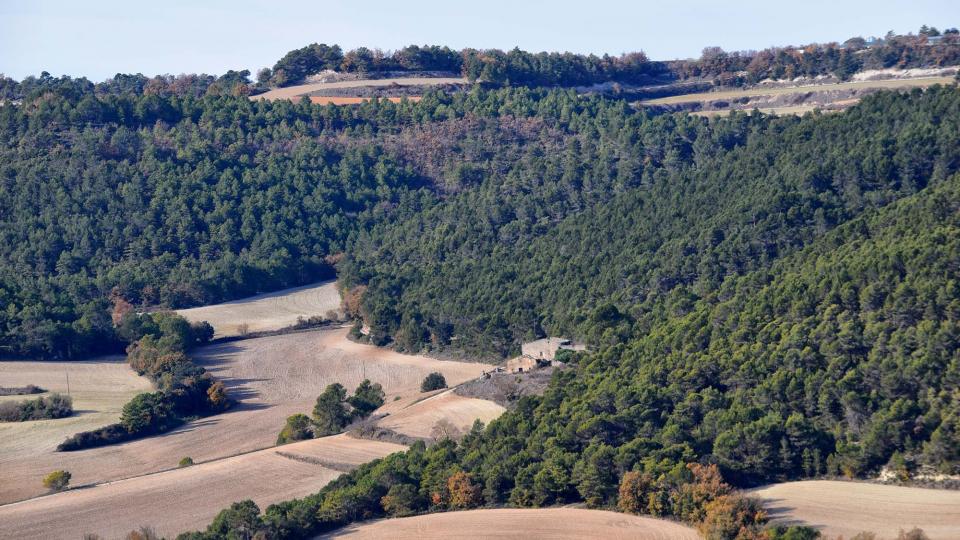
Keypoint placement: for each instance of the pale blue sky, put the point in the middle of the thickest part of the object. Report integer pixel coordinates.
(97, 39)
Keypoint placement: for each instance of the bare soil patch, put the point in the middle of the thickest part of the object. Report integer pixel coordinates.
(186, 499)
(293, 92)
(419, 418)
(269, 311)
(847, 508)
(521, 524)
(341, 100)
(787, 99)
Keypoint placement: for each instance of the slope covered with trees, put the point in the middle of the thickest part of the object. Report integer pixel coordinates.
(928, 48)
(837, 359)
(684, 203)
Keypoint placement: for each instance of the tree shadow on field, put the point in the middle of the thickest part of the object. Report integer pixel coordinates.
(781, 513)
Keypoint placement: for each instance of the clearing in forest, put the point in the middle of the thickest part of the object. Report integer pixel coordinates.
(180, 500)
(521, 524)
(293, 92)
(847, 508)
(268, 311)
(416, 417)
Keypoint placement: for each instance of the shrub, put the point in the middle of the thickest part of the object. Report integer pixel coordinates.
(794, 532)
(366, 399)
(185, 462)
(433, 381)
(915, 533)
(114, 433)
(298, 428)
(53, 406)
(732, 516)
(57, 480)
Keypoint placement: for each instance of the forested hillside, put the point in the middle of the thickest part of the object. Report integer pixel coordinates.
(683, 203)
(928, 48)
(837, 359)
(172, 200)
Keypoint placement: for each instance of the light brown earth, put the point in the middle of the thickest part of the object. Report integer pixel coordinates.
(751, 92)
(186, 499)
(271, 378)
(293, 92)
(99, 389)
(847, 508)
(269, 311)
(418, 418)
(521, 524)
(337, 100)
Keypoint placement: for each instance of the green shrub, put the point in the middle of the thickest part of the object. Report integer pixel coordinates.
(41, 408)
(185, 462)
(298, 428)
(57, 480)
(433, 381)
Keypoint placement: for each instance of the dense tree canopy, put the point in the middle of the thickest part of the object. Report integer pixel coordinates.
(929, 48)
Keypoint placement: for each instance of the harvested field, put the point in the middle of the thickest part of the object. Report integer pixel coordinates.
(185, 499)
(337, 100)
(417, 419)
(847, 508)
(292, 92)
(99, 389)
(751, 92)
(270, 377)
(269, 311)
(521, 524)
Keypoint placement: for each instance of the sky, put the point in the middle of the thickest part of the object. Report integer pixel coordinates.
(98, 39)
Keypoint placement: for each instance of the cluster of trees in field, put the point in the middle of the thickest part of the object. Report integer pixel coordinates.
(333, 412)
(518, 67)
(159, 343)
(45, 407)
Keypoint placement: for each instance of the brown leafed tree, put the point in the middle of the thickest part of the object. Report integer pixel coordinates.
(463, 492)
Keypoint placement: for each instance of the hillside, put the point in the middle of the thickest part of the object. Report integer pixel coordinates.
(834, 358)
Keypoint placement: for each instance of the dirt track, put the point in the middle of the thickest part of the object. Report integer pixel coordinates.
(847, 508)
(525, 524)
(269, 311)
(271, 377)
(179, 500)
(291, 92)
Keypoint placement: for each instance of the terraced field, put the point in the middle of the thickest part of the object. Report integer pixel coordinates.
(271, 378)
(99, 389)
(418, 418)
(293, 92)
(185, 499)
(269, 311)
(847, 508)
(521, 524)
